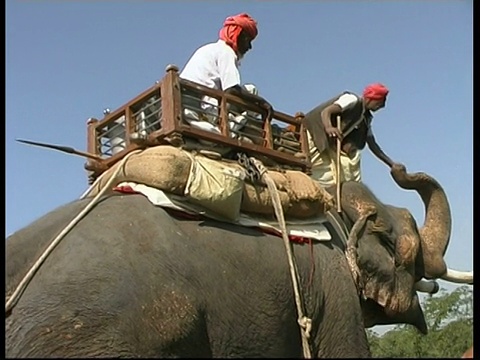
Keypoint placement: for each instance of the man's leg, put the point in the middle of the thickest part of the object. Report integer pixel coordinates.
(324, 168)
(350, 170)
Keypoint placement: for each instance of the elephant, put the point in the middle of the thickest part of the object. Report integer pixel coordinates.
(134, 280)
(130, 280)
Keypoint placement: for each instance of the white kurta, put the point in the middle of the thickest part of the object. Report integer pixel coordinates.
(214, 65)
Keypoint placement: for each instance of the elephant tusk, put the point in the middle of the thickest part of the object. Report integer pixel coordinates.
(458, 277)
(429, 287)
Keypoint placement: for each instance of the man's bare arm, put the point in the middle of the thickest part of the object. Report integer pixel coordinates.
(244, 94)
(377, 151)
(326, 115)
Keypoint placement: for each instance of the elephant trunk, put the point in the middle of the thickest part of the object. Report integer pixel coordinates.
(436, 230)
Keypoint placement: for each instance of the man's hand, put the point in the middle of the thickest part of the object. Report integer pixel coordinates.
(399, 173)
(333, 132)
(398, 167)
(266, 105)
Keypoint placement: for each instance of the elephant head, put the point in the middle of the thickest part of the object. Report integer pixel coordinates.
(394, 254)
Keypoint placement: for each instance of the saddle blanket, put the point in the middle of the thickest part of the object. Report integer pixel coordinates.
(311, 228)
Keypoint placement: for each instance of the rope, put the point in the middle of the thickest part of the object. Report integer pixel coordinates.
(91, 187)
(338, 165)
(13, 299)
(304, 322)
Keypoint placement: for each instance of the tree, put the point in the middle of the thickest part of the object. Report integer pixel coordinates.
(449, 318)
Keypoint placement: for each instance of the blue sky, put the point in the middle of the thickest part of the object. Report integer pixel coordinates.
(67, 61)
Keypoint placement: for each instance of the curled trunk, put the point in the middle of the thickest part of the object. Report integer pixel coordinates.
(436, 230)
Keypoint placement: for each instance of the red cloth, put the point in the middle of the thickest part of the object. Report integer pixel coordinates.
(292, 238)
(232, 27)
(127, 189)
(375, 91)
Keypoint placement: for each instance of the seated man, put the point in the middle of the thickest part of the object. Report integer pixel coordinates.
(356, 131)
(216, 65)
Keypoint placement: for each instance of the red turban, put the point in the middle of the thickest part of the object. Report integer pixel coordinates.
(375, 91)
(232, 27)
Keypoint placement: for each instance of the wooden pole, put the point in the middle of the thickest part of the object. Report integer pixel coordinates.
(66, 149)
(338, 165)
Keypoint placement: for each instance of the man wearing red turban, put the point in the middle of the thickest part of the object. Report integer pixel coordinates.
(233, 27)
(216, 65)
(356, 132)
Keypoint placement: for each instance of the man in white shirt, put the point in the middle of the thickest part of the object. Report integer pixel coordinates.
(216, 65)
(355, 133)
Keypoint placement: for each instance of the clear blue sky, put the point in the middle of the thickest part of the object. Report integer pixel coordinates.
(68, 60)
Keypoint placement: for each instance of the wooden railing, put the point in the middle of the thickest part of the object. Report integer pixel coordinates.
(170, 112)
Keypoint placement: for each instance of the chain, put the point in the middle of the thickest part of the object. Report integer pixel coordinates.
(253, 174)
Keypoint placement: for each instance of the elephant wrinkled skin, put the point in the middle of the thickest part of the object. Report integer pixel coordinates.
(129, 280)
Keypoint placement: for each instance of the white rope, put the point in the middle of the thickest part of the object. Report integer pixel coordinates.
(13, 299)
(304, 322)
(91, 187)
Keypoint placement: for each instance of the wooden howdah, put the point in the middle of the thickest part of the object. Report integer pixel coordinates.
(159, 115)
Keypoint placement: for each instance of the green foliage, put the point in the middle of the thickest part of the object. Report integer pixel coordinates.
(449, 317)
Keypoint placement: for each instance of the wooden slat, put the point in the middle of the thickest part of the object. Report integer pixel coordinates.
(224, 129)
(129, 125)
(299, 116)
(92, 142)
(168, 105)
(267, 128)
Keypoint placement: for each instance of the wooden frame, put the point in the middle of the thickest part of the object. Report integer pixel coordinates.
(172, 128)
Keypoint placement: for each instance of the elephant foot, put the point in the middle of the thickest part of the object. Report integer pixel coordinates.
(351, 249)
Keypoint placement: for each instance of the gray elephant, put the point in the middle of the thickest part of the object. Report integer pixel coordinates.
(133, 280)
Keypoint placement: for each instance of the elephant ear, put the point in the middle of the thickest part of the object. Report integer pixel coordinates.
(374, 314)
(387, 248)
(388, 285)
